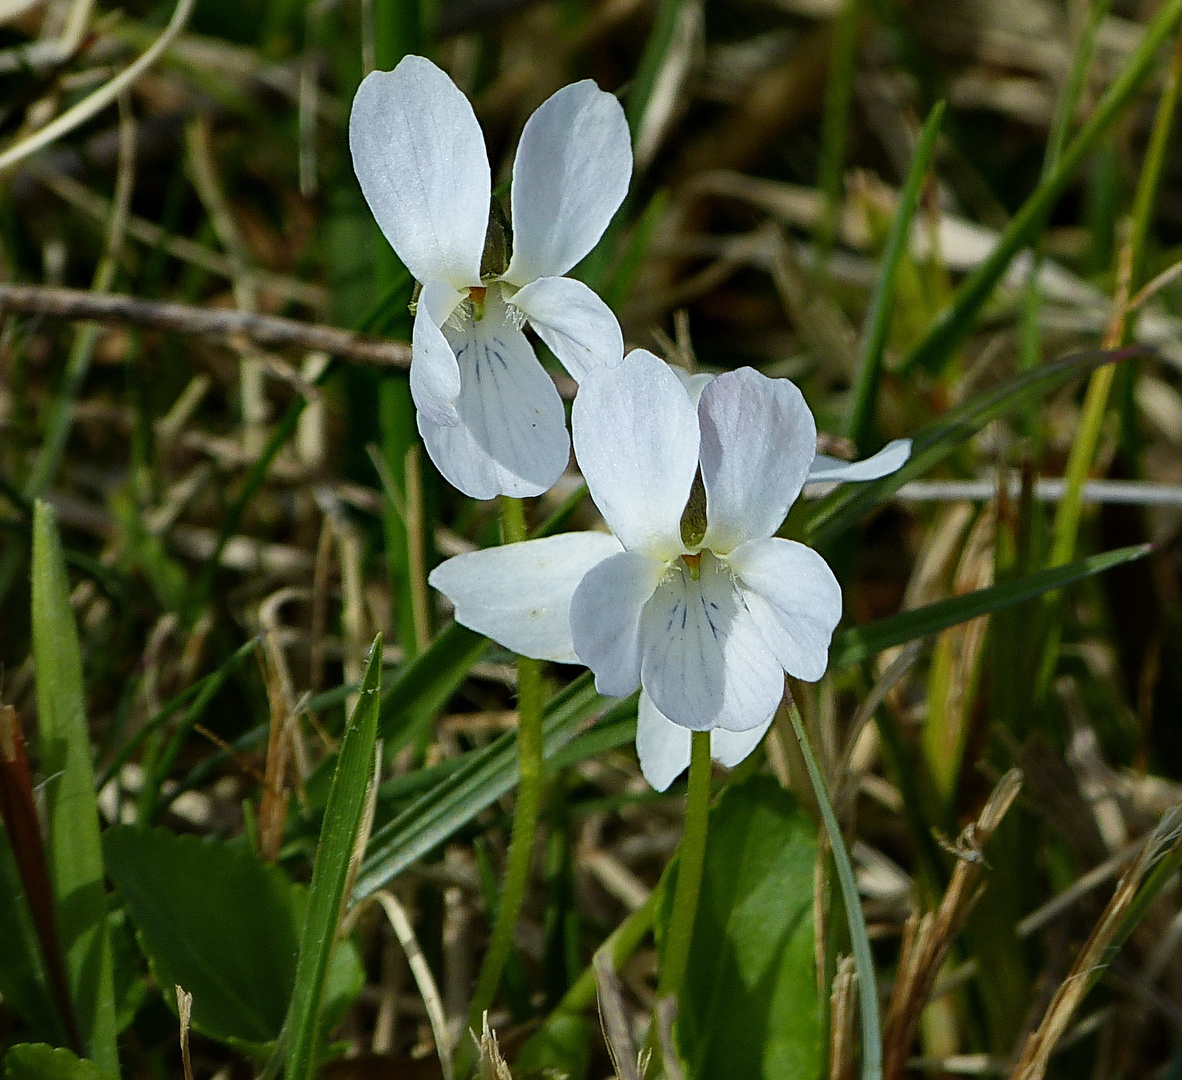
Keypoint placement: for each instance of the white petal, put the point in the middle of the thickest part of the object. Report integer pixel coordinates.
(889, 459)
(663, 747)
(419, 155)
(571, 173)
(434, 373)
(636, 439)
(758, 441)
(519, 595)
(577, 325)
(694, 383)
(510, 436)
(795, 599)
(605, 619)
(704, 661)
(730, 748)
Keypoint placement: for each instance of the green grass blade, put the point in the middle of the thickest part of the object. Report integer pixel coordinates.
(860, 643)
(878, 318)
(338, 837)
(955, 324)
(74, 850)
(483, 779)
(835, 121)
(839, 511)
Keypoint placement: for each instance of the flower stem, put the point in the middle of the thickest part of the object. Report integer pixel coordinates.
(529, 799)
(691, 855)
(863, 960)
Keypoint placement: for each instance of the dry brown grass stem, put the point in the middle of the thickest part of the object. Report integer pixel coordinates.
(927, 939)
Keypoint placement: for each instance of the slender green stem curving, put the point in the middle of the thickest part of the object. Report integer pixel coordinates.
(530, 701)
(691, 855)
(863, 960)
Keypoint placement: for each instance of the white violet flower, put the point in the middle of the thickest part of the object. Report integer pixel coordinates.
(693, 599)
(489, 415)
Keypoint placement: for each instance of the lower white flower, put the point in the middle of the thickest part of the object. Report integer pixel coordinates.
(693, 599)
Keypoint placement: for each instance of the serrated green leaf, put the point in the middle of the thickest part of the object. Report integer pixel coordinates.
(749, 1006)
(37, 1061)
(860, 643)
(330, 873)
(74, 850)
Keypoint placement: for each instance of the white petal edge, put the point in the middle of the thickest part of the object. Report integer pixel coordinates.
(694, 382)
(605, 619)
(419, 155)
(664, 748)
(571, 173)
(519, 595)
(574, 322)
(891, 458)
(795, 600)
(758, 441)
(705, 662)
(434, 373)
(511, 437)
(636, 440)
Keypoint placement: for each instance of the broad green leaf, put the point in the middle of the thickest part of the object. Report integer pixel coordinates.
(860, 643)
(330, 873)
(749, 1006)
(561, 1047)
(214, 919)
(36, 1061)
(74, 851)
(482, 779)
(24, 982)
(839, 511)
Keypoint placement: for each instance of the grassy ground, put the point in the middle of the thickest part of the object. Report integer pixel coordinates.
(915, 211)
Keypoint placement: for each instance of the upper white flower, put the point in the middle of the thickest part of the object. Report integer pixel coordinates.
(489, 415)
(693, 598)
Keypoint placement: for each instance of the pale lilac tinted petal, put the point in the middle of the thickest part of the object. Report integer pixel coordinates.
(636, 439)
(519, 595)
(577, 325)
(605, 619)
(419, 156)
(510, 438)
(662, 746)
(571, 173)
(694, 383)
(434, 373)
(889, 459)
(758, 441)
(730, 748)
(704, 661)
(795, 599)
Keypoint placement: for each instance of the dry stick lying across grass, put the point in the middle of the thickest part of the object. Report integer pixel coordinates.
(926, 940)
(268, 331)
(1097, 951)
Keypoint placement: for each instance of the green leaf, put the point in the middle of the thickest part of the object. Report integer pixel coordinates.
(36, 1061)
(215, 919)
(749, 1005)
(330, 873)
(560, 1047)
(74, 851)
(483, 778)
(860, 643)
(839, 511)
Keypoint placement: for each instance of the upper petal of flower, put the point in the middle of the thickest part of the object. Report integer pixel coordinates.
(519, 595)
(510, 434)
(705, 663)
(419, 155)
(577, 325)
(636, 439)
(571, 173)
(434, 373)
(694, 382)
(889, 459)
(605, 619)
(758, 441)
(794, 598)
